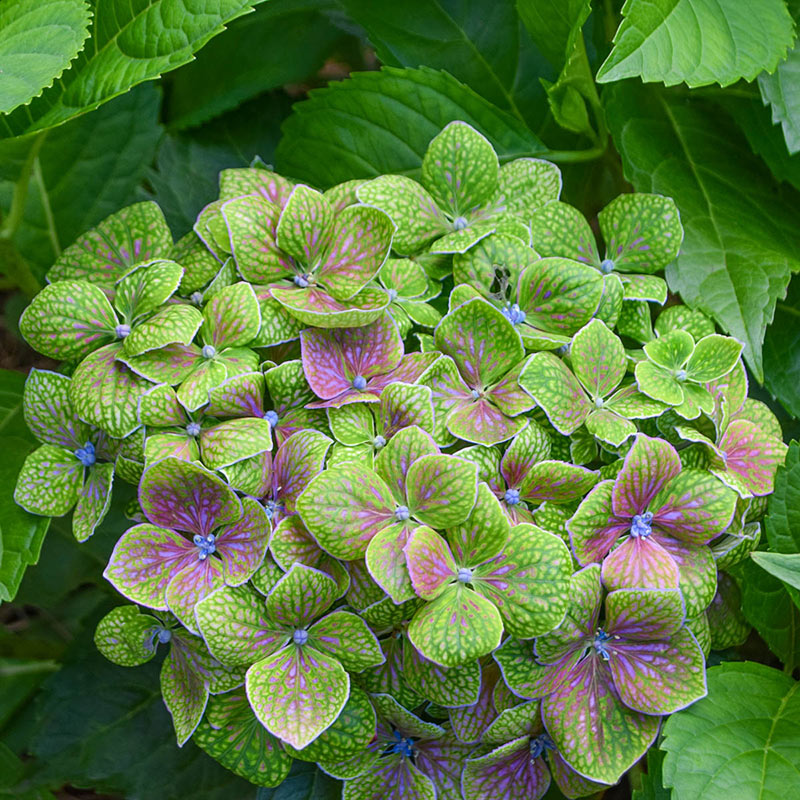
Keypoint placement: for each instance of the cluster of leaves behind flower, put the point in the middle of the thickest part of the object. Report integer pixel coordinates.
(440, 556)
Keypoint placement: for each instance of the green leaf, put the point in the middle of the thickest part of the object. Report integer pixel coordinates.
(85, 170)
(738, 245)
(742, 737)
(304, 782)
(651, 786)
(781, 90)
(38, 39)
(554, 25)
(370, 124)
(782, 351)
(767, 606)
(783, 512)
(483, 48)
(698, 42)
(12, 385)
(21, 533)
(79, 743)
(121, 54)
(232, 68)
(784, 566)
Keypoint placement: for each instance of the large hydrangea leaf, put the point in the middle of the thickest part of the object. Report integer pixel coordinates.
(236, 628)
(68, 320)
(49, 481)
(231, 734)
(528, 582)
(136, 234)
(347, 637)
(481, 341)
(297, 693)
(460, 625)
(642, 232)
(344, 508)
(186, 496)
(105, 392)
(549, 381)
(596, 733)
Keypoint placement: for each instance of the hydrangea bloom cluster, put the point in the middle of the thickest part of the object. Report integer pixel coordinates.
(429, 492)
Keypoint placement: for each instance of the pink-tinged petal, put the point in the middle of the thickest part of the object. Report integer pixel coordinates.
(649, 465)
(594, 528)
(360, 241)
(297, 461)
(403, 406)
(658, 677)
(644, 614)
(595, 732)
(571, 783)
(334, 359)
(430, 563)
(189, 586)
(442, 490)
(386, 561)
(301, 595)
(698, 572)
(527, 449)
(172, 364)
(297, 693)
(144, 561)
(314, 306)
(241, 181)
(239, 396)
(527, 678)
(470, 722)
(242, 545)
(481, 341)
(507, 394)
(186, 496)
(640, 563)
(753, 455)
(304, 227)
(481, 422)
(442, 760)
(411, 366)
(557, 481)
(694, 507)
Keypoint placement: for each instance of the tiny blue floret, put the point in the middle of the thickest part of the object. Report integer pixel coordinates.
(465, 575)
(514, 314)
(300, 636)
(196, 298)
(86, 454)
(681, 375)
(404, 746)
(193, 429)
(378, 442)
(359, 383)
(606, 266)
(599, 644)
(301, 281)
(209, 351)
(392, 295)
(459, 223)
(511, 497)
(641, 526)
(272, 418)
(401, 513)
(205, 544)
(122, 330)
(540, 745)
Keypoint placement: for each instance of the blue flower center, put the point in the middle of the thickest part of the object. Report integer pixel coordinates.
(540, 745)
(378, 442)
(392, 295)
(599, 644)
(465, 575)
(359, 383)
(209, 351)
(681, 375)
(86, 454)
(563, 350)
(122, 330)
(641, 526)
(206, 545)
(476, 395)
(402, 745)
(606, 266)
(401, 513)
(300, 637)
(459, 223)
(196, 298)
(271, 506)
(193, 429)
(156, 636)
(511, 497)
(272, 418)
(514, 314)
(301, 281)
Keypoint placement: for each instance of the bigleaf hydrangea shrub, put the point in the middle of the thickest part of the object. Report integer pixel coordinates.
(437, 486)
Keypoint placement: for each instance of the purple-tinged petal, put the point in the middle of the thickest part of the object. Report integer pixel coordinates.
(470, 722)
(93, 501)
(640, 563)
(185, 693)
(410, 368)
(594, 528)
(649, 465)
(595, 732)
(556, 481)
(698, 573)
(386, 561)
(403, 406)
(442, 760)
(145, 560)
(571, 783)
(694, 507)
(391, 778)
(752, 455)
(316, 307)
(232, 318)
(239, 396)
(527, 449)
(48, 410)
(507, 394)
(347, 637)
(304, 227)
(242, 545)
(644, 614)
(172, 364)
(187, 496)
(297, 461)
(190, 585)
(658, 677)
(394, 460)
(441, 490)
(508, 772)
(481, 422)
(430, 563)
(527, 678)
